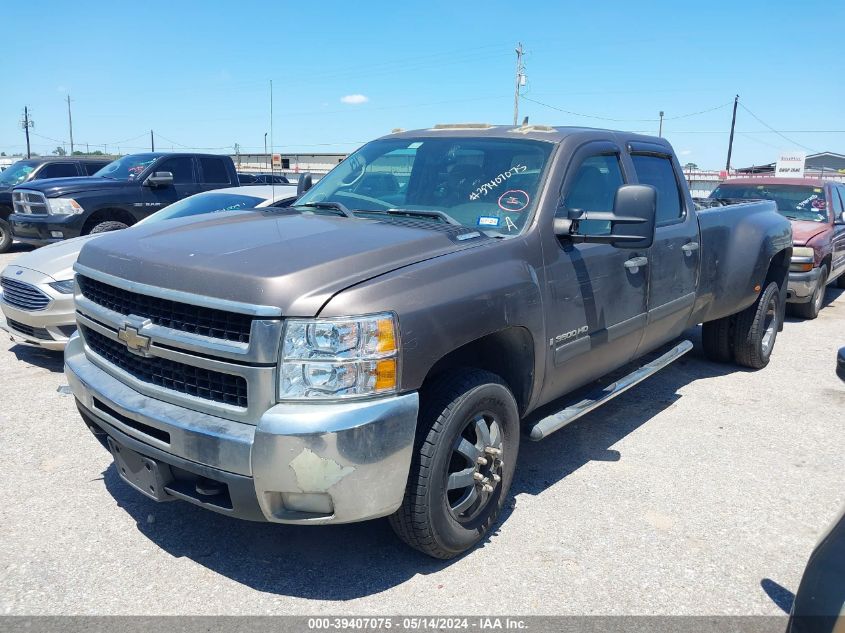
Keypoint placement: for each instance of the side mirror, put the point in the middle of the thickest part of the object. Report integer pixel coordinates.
(159, 179)
(840, 220)
(304, 183)
(631, 221)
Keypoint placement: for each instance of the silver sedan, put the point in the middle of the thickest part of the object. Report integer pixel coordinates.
(36, 291)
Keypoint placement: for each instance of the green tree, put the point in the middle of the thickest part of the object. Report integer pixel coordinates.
(60, 151)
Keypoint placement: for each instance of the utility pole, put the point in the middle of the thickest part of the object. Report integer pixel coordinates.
(271, 128)
(152, 142)
(70, 125)
(266, 158)
(660, 130)
(238, 153)
(27, 123)
(520, 81)
(731, 141)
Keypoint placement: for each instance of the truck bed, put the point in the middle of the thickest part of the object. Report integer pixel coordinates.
(727, 229)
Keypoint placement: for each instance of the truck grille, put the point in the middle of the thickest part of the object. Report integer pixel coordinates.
(221, 324)
(29, 202)
(22, 295)
(168, 374)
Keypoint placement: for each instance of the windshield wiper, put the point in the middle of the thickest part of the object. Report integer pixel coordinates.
(424, 213)
(326, 204)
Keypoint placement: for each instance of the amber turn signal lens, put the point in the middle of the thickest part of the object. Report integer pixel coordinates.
(386, 336)
(386, 374)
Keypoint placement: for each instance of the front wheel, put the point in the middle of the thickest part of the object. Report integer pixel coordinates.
(465, 454)
(811, 309)
(756, 329)
(105, 227)
(5, 236)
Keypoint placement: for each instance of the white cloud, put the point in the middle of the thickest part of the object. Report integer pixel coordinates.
(685, 152)
(354, 99)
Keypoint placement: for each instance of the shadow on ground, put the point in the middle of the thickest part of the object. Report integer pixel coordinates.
(778, 594)
(349, 561)
(40, 357)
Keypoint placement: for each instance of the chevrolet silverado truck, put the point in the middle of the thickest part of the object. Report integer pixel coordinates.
(816, 209)
(117, 196)
(377, 352)
(40, 168)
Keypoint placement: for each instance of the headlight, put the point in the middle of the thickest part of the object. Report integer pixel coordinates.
(338, 358)
(64, 206)
(65, 287)
(802, 251)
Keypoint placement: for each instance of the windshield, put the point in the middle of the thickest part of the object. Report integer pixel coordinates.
(796, 202)
(204, 203)
(486, 183)
(127, 167)
(17, 173)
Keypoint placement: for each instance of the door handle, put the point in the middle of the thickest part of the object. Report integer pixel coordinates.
(690, 247)
(635, 262)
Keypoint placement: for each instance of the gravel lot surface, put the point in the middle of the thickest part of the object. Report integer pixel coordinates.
(701, 491)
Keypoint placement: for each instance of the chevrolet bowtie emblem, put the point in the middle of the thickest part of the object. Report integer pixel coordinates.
(135, 342)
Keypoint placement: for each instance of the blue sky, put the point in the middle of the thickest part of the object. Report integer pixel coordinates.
(198, 72)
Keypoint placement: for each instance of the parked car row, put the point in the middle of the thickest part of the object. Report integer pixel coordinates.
(815, 208)
(378, 347)
(34, 169)
(37, 290)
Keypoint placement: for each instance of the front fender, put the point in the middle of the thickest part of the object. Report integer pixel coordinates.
(449, 301)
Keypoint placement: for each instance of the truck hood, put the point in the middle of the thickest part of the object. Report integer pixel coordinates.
(803, 231)
(270, 258)
(59, 187)
(55, 260)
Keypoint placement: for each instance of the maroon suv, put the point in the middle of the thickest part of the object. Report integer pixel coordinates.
(815, 207)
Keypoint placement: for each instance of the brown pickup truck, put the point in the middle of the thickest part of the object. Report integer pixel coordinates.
(815, 207)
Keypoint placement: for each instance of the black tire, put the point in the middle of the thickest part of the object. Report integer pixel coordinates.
(756, 329)
(717, 339)
(810, 310)
(5, 236)
(431, 518)
(105, 227)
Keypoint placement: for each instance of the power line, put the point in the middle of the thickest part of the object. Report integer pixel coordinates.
(615, 120)
(810, 149)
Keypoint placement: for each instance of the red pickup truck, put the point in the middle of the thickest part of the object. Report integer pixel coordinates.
(816, 209)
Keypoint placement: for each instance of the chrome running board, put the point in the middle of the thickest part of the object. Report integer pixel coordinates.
(552, 423)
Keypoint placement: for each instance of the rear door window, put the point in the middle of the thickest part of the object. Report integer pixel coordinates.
(214, 171)
(58, 170)
(658, 172)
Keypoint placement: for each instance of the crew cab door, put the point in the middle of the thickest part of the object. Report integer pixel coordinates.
(595, 293)
(674, 257)
(836, 198)
(184, 183)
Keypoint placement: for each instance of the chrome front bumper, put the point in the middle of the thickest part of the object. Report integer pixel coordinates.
(301, 463)
(802, 286)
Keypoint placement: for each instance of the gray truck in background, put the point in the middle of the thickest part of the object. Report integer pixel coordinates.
(376, 349)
